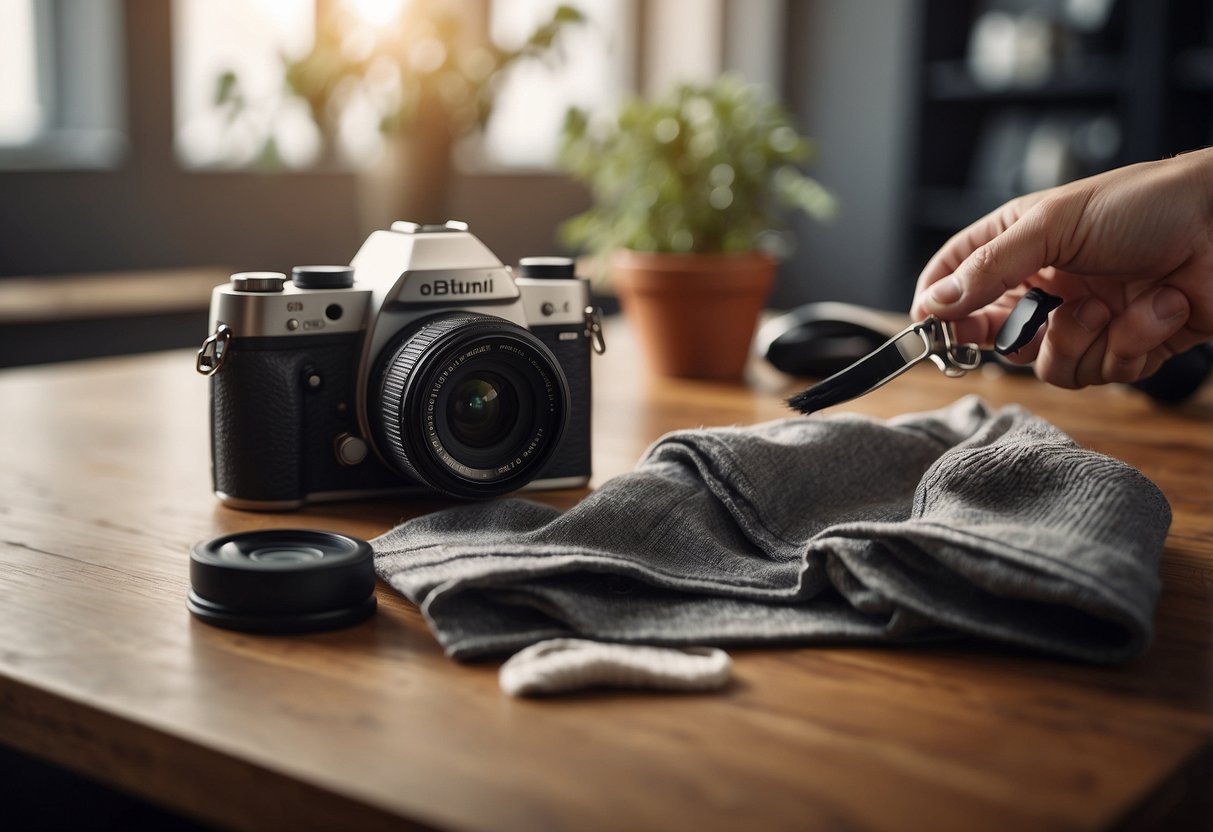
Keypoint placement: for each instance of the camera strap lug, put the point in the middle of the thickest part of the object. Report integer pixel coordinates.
(593, 329)
(213, 351)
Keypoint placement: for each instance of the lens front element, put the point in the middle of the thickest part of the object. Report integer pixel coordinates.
(472, 405)
(482, 411)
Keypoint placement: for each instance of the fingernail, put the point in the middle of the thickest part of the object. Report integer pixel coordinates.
(1168, 303)
(1092, 315)
(946, 292)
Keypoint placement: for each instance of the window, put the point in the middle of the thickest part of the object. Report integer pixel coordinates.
(232, 108)
(61, 61)
(243, 41)
(21, 112)
(596, 70)
(62, 103)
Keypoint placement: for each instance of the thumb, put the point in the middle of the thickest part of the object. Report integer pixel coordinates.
(991, 269)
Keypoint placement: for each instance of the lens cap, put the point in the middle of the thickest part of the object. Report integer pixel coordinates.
(282, 581)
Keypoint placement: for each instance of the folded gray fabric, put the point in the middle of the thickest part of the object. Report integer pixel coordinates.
(810, 530)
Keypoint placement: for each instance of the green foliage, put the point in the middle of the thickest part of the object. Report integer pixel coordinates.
(704, 169)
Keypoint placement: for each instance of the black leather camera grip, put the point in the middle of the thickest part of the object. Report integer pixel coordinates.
(257, 418)
(572, 458)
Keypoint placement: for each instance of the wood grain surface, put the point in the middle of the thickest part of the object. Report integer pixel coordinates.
(104, 486)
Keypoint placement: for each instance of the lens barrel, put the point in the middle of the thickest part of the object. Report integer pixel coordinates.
(470, 405)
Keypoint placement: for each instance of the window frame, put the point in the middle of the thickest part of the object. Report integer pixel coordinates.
(79, 48)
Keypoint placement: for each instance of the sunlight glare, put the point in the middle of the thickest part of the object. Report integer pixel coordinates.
(376, 12)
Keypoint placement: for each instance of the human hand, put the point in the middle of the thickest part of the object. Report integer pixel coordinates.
(1130, 252)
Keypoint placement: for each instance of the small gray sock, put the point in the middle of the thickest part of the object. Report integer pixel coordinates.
(562, 665)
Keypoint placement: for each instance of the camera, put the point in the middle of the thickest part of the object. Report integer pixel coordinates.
(424, 366)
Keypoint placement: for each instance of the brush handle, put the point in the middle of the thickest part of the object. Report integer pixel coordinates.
(1025, 320)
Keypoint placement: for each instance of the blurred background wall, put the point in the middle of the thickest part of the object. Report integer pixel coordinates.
(148, 137)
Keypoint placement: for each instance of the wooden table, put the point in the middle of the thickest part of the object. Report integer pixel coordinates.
(104, 486)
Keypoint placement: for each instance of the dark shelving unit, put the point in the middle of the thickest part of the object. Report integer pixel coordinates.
(950, 81)
(1138, 86)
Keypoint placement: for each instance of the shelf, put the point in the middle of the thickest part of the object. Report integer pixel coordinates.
(73, 297)
(1096, 78)
(1150, 70)
(1194, 69)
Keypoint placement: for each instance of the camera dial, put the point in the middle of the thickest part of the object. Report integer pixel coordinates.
(323, 277)
(547, 268)
(468, 404)
(258, 281)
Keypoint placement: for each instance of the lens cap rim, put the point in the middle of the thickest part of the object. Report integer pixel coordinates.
(273, 596)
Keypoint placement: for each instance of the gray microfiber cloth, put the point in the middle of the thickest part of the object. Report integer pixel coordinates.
(961, 521)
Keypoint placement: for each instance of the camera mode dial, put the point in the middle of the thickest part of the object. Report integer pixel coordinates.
(547, 268)
(323, 277)
(258, 281)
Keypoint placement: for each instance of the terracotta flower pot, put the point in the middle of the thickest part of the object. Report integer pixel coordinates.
(694, 313)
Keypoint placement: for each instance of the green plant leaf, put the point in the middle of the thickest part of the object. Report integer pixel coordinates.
(227, 88)
(704, 168)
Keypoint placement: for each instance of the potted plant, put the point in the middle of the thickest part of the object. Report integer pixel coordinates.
(685, 189)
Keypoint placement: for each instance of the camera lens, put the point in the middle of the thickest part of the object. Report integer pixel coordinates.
(482, 411)
(472, 405)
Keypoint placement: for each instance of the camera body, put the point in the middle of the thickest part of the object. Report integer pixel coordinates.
(425, 366)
